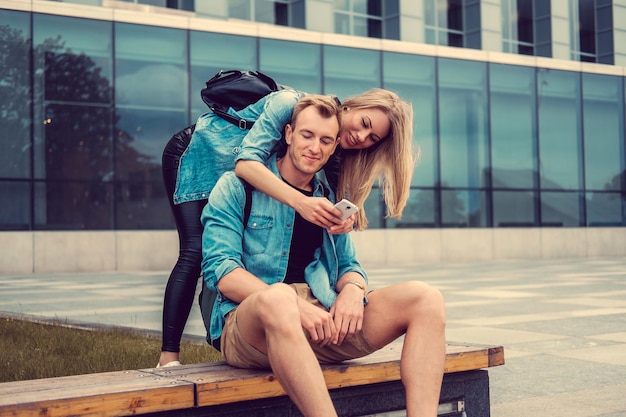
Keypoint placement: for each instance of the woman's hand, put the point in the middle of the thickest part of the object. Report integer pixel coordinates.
(320, 211)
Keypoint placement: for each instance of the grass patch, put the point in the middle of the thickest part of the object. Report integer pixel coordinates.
(31, 350)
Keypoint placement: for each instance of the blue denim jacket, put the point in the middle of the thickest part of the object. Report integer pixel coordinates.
(262, 247)
(216, 144)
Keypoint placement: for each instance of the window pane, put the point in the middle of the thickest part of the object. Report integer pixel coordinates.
(359, 26)
(419, 212)
(15, 201)
(463, 208)
(296, 64)
(413, 78)
(15, 95)
(603, 103)
(560, 209)
(150, 66)
(342, 23)
(559, 129)
(374, 209)
(342, 5)
(374, 28)
(513, 209)
(604, 209)
(212, 52)
(350, 71)
(77, 143)
(463, 123)
(141, 136)
(513, 124)
(73, 205)
(142, 205)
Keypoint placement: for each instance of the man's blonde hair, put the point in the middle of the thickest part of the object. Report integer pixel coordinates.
(326, 106)
(392, 160)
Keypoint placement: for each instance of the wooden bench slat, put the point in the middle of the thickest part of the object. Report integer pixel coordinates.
(217, 383)
(169, 389)
(125, 393)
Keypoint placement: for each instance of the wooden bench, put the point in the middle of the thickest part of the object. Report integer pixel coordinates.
(359, 387)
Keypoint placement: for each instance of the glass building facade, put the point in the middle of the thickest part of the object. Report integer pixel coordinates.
(87, 105)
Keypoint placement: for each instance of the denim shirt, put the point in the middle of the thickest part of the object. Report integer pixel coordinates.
(216, 144)
(262, 247)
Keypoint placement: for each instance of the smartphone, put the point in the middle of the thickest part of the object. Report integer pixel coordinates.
(347, 208)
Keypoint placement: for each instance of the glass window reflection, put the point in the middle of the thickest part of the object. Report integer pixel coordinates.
(514, 209)
(350, 71)
(213, 52)
(142, 205)
(72, 205)
(77, 143)
(15, 95)
(603, 110)
(463, 123)
(420, 211)
(413, 78)
(141, 136)
(513, 126)
(15, 200)
(150, 66)
(604, 209)
(463, 208)
(296, 64)
(559, 130)
(560, 209)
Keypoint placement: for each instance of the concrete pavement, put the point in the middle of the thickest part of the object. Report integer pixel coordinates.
(562, 322)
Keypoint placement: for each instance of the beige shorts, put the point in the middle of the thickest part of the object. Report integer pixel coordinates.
(238, 352)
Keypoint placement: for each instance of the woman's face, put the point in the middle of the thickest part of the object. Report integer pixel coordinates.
(362, 128)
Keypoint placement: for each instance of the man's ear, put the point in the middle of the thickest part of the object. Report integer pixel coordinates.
(288, 133)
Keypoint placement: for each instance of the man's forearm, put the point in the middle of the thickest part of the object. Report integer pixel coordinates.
(351, 278)
(238, 284)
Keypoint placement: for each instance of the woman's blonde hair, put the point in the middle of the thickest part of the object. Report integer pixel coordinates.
(392, 160)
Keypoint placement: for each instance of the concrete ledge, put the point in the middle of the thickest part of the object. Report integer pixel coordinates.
(157, 250)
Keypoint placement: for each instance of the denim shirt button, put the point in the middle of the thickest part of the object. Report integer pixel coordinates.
(253, 224)
(288, 224)
(203, 195)
(284, 253)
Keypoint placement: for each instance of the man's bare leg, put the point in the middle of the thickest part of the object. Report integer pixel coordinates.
(270, 321)
(417, 311)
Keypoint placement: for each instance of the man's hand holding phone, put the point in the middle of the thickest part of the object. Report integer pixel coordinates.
(346, 208)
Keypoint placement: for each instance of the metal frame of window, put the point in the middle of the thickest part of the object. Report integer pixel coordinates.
(442, 29)
(351, 14)
(511, 27)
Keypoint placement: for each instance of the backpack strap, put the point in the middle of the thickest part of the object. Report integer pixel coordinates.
(242, 123)
(248, 206)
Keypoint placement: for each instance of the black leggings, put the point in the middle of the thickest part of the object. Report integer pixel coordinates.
(181, 285)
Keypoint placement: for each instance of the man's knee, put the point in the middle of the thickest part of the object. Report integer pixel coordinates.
(277, 303)
(429, 302)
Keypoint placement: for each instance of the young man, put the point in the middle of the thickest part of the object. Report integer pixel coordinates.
(291, 295)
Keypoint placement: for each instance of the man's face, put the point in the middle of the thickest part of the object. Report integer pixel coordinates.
(312, 140)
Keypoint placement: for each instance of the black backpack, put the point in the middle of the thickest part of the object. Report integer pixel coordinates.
(236, 89)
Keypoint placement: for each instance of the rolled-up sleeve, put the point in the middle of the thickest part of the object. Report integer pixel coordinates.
(267, 131)
(346, 256)
(222, 219)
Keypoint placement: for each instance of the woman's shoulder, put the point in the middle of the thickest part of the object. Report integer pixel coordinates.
(287, 96)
